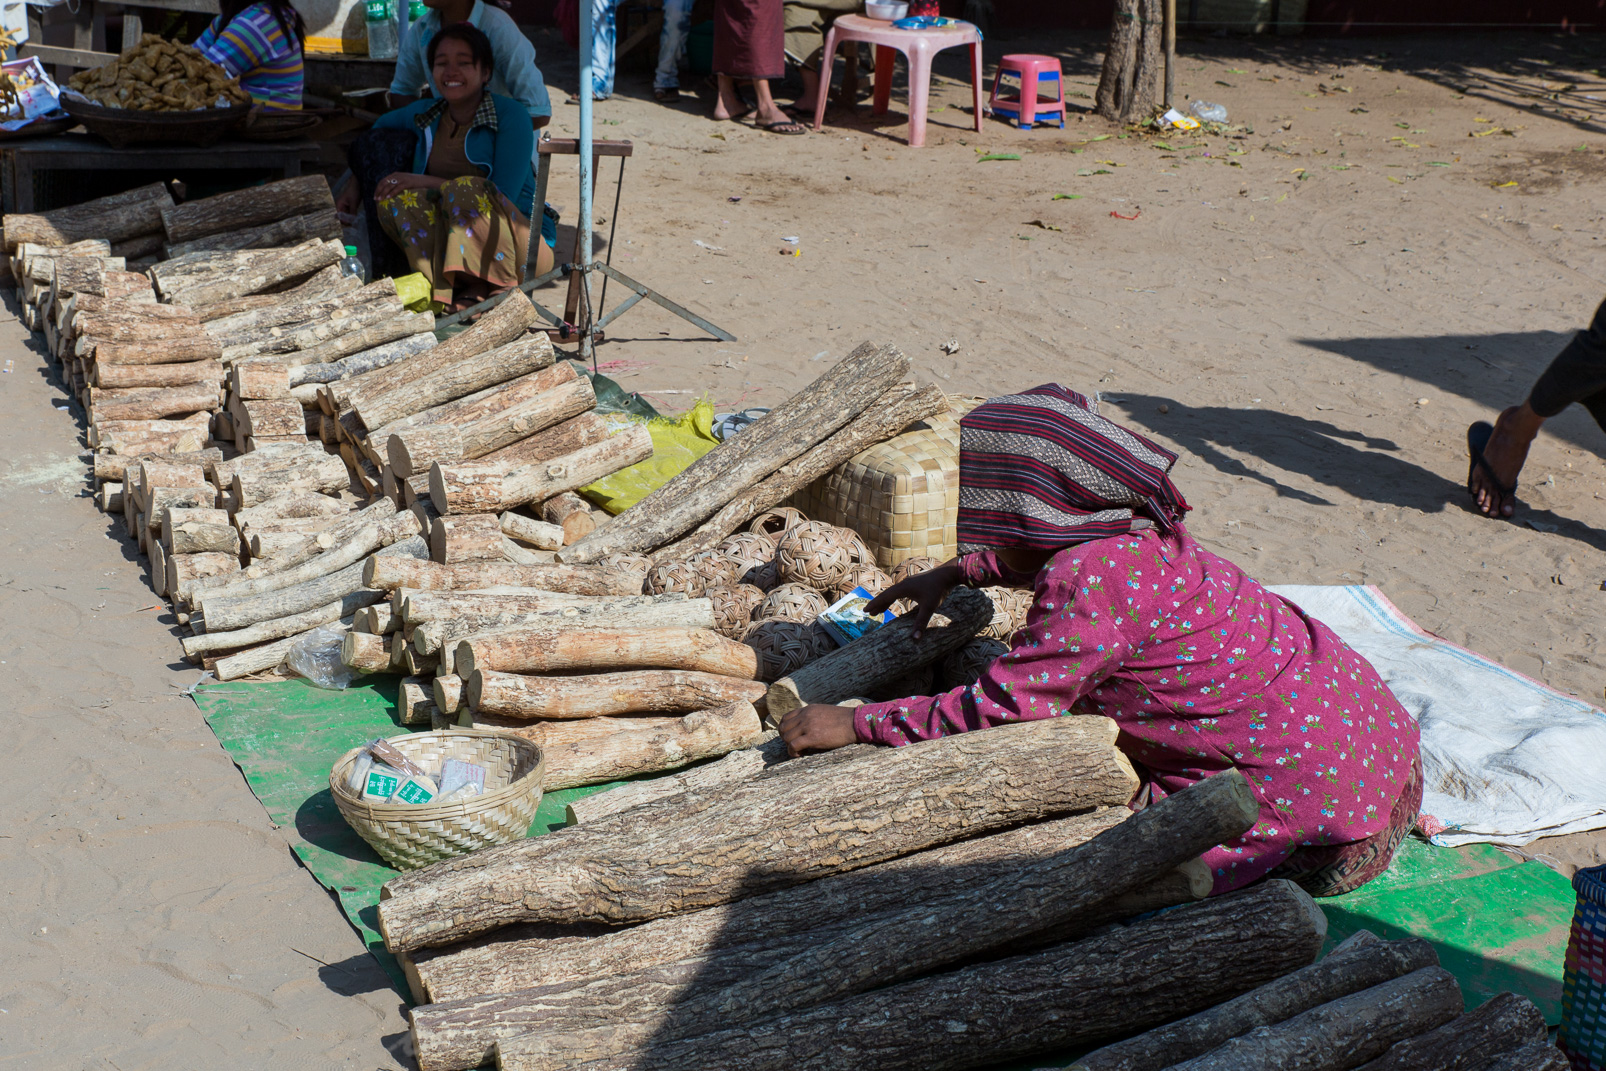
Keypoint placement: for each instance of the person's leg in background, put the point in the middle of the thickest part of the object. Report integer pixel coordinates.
(604, 30)
(671, 47)
(1578, 374)
(806, 22)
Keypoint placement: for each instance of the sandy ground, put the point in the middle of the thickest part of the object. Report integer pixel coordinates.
(1311, 314)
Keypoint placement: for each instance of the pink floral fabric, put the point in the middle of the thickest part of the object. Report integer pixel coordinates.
(1204, 670)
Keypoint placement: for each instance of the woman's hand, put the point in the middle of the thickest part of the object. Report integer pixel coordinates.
(398, 181)
(818, 727)
(926, 590)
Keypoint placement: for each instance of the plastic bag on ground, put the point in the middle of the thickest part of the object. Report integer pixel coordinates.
(675, 445)
(1210, 113)
(316, 656)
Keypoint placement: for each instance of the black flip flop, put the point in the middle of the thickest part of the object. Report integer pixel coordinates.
(1478, 436)
(776, 128)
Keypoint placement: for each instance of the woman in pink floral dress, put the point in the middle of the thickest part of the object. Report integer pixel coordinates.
(1202, 668)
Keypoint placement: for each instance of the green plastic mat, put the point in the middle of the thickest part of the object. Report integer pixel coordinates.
(1498, 924)
(285, 736)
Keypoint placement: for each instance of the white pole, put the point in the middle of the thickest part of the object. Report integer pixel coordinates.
(587, 30)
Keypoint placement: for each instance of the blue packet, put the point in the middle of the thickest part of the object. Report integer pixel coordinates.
(845, 620)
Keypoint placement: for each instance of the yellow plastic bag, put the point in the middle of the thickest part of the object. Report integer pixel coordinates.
(414, 291)
(675, 445)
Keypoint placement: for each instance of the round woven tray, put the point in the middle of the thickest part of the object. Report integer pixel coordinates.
(39, 128)
(123, 127)
(415, 835)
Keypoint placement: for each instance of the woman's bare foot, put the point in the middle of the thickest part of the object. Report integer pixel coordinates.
(728, 104)
(1494, 483)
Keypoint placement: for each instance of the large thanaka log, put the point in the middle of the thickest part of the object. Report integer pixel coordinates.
(1502, 1024)
(141, 247)
(157, 375)
(538, 534)
(699, 735)
(1124, 978)
(1345, 1032)
(563, 651)
(138, 437)
(529, 353)
(352, 548)
(161, 499)
(224, 615)
(914, 797)
(419, 608)
(138, 323)
(269, 417)
(365, 361)
(401, 325)
(642, 691)
(287, 344)
(250, 207)
(323, 223)
(1538, 1056)
(413, 703)
(887, 416)
(120, 466)
(263, 658)
(1354, 966)
(496, 402)
(465, 539)
(469, 435)
(392, 573)
(111, 219)
(173, 518)
(861, 952)
(291, 505)
(737, 766)
(490, 487)
(328, 280)
(185, 568)
(197, 537)
(273, 269)
(269, 458)
(365, 653)
(195, 347)
(323, 473)
(791, 428)
(110, 497)
(248, 327)
(547, 734)
(252, 380)
(506, 323)
(279, 627)
(441, 637)
(43, 270)
(556, 441)
(571, 513)
(882, 656)
(514, 551)
(319, 538)
(162, 472)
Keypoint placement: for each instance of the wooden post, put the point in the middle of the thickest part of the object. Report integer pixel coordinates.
(1170, 53)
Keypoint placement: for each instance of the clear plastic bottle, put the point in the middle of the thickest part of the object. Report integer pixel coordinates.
(352, 266)
(382, 41)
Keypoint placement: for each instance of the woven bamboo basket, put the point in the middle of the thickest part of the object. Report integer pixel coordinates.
(901, 496)
(415, 835)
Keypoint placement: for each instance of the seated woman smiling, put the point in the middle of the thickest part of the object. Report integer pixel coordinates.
(462, 216)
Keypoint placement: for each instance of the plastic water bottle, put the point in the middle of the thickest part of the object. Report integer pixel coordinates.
(352, 266)
(382, 41)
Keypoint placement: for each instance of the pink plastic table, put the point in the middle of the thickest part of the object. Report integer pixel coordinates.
(917, 46)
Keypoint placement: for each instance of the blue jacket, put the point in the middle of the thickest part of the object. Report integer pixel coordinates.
(502, 151)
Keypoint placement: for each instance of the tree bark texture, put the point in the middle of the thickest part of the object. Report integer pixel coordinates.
(442, 636)
(882, 656)
(912, 798)
(111, 219)
(181, 569)
(629, 753)
(287, 343)
(1128, 85)
(326, 280)
(890, 414)
(1504, 1023)
(121, 466)
(321, 223)
(538, 534)
(323, 474)
(391, 573)
(1345, 1032)
(274, 269)
(135, 323)
(564, 651)
(145, 436)
(741, 765)
(506, 323)
(366, 361)
(365, 653)
(254, 325)
(490, 487)
(645, 691)
(352, 549)
(263, 658)
(127, 376)
(866, 950)
(707, 484)
(379, 620)
(161, 499)
(250, 207)
(511, 360)
(259, 380)
(269, 416)
(197, 537)
(577, 517)
(419, 608)
(292, 623)
(1350, 969)
(1068, 995)
(465, 539)
(225, 614)
(272, 458)
(196, 347)
(395, 328)
(502, 419)
(556, 441)
(1537, 1056)
(289, 505)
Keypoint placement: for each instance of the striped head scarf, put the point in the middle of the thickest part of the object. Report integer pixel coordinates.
(1043, 469)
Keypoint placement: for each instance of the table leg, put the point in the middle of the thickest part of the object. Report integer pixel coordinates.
(884, 60)
(975, 81)
(827, 64)
(919, 57)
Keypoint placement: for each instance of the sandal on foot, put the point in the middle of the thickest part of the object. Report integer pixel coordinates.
(1478, 436)
(666, 96)
(784, 126)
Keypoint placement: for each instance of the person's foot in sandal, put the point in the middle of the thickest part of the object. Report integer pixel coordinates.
(1497, 454)
(784, 126)
(669, 95)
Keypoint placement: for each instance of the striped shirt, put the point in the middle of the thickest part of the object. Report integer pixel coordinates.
(255, 49)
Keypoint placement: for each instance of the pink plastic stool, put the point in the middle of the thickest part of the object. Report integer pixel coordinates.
(1028, 105)
(917, 46)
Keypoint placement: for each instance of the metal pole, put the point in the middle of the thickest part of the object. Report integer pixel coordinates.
(587, 165)
(1170, 51)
